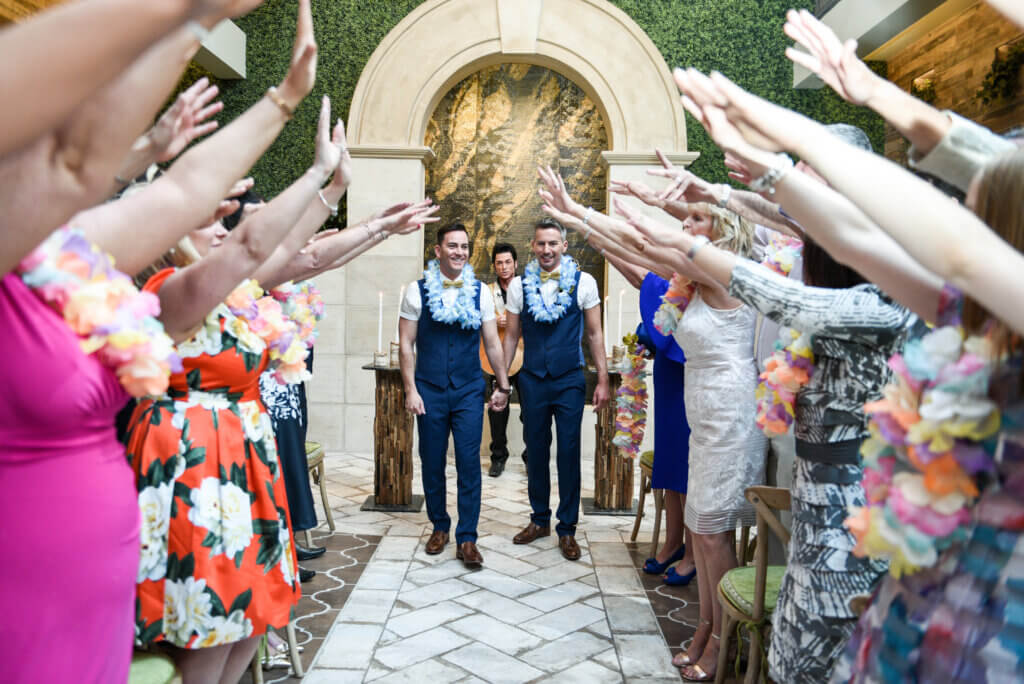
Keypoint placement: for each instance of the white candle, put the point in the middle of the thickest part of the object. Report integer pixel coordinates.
(607, 347)
(622, 293)
(401, 296)
(380, 321)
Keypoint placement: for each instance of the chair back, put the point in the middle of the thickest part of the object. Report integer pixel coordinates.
(766, 500)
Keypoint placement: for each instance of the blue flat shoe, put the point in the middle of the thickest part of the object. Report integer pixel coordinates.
(653, 567)
(674, 579)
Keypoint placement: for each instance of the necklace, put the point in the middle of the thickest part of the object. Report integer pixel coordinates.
(463, 309)
(566, 284)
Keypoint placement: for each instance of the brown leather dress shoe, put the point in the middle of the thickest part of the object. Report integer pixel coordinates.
(436, 543)
(469, 554)
(531, 532)
(570, 549)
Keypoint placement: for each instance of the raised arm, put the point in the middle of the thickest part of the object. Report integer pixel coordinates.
(943, 236)
(191, 293)
(187, 195)
(339, 248)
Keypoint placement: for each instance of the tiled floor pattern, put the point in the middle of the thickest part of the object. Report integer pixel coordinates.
(527, 616)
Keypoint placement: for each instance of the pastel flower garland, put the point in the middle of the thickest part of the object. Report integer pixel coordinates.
(114, 320)
(791, 365)
(631, 399)
(673, 304)
(303, 304)
(463, 310)
(567, 270)
(257, 322)
(931, 437)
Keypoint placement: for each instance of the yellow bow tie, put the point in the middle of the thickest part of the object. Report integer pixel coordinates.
(546, 276)
(452, 283)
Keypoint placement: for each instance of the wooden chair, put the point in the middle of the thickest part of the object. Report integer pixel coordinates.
(748, 593)
(646, 469)
(315, 459)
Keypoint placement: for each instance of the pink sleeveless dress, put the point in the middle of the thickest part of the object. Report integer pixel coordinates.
(69, 518)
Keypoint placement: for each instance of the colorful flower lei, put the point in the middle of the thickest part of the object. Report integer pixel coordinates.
(464, 309)
(568, 269)
(932, 435)
(673, 304)
(114, 320)
(303, 304)
(631, 399)
(791, 365)
(257, 322)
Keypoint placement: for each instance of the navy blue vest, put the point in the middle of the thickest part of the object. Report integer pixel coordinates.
(553, 348)
(445, 352)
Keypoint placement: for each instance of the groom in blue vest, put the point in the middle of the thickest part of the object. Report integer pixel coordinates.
(551, 305)
(444, 314)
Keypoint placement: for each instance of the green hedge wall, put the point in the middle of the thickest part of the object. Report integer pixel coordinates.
(741, 38)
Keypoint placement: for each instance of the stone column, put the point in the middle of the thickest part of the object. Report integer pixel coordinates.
(341, 395)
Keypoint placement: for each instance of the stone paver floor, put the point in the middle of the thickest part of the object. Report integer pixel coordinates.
(527, 616)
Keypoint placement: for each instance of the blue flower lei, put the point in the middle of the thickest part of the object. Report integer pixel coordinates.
(566, 284)
(463, 309)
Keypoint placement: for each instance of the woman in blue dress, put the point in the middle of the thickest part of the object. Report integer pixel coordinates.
(671, 431)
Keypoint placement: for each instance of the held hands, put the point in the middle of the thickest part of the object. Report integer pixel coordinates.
(499, 400)
(302, 73)
(414, 403)
(183, 121)
(834, 62)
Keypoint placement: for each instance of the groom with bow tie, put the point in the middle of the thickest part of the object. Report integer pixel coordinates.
(444, 315)
(551, 305)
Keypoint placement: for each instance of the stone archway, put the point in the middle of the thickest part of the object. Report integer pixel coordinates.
(438, 44)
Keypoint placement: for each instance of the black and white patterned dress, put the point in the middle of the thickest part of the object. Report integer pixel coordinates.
(855, 331)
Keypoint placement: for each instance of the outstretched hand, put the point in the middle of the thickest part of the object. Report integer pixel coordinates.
(329, 148)
(302, 72)
(184, 120)
(834, 62)
(641, 191)
(554, 192)
(684, 186)
(648, 229)
(410, 218)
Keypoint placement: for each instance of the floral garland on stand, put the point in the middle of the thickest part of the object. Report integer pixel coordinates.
(631, 399)
(932, 438)
(791, 365)
(114, 320)
(463, 310)
(567, 271)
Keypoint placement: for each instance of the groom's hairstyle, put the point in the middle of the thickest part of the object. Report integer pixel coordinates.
(444, 230)
(550, 223)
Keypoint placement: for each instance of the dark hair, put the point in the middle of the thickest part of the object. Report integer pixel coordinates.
(444, 230)
(549, 222)
(231, 221)
(504, 248)
(821, 270)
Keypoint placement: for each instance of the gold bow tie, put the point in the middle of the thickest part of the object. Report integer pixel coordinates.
(452, 283)
(546, 276)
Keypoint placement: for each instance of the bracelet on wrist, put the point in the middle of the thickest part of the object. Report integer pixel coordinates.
(503, 390)
(698, 243)
(333, 208)
(723, 201)
(274, 96)
(766, 183)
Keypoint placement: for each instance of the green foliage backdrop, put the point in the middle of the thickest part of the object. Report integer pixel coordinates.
(741, 38)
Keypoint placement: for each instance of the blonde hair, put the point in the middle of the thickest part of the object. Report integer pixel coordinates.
(732, 231)
(1000, 204)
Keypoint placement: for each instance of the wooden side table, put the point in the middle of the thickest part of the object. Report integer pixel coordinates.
(613, 474)
(392, 447)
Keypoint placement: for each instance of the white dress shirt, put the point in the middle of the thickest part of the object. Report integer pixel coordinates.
(412, 304)
(586, 294)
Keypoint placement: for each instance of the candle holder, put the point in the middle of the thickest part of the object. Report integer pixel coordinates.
(380, 359)
(394, 357)
(618, 353)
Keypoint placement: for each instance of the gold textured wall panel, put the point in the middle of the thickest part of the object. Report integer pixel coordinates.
(489, 134)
